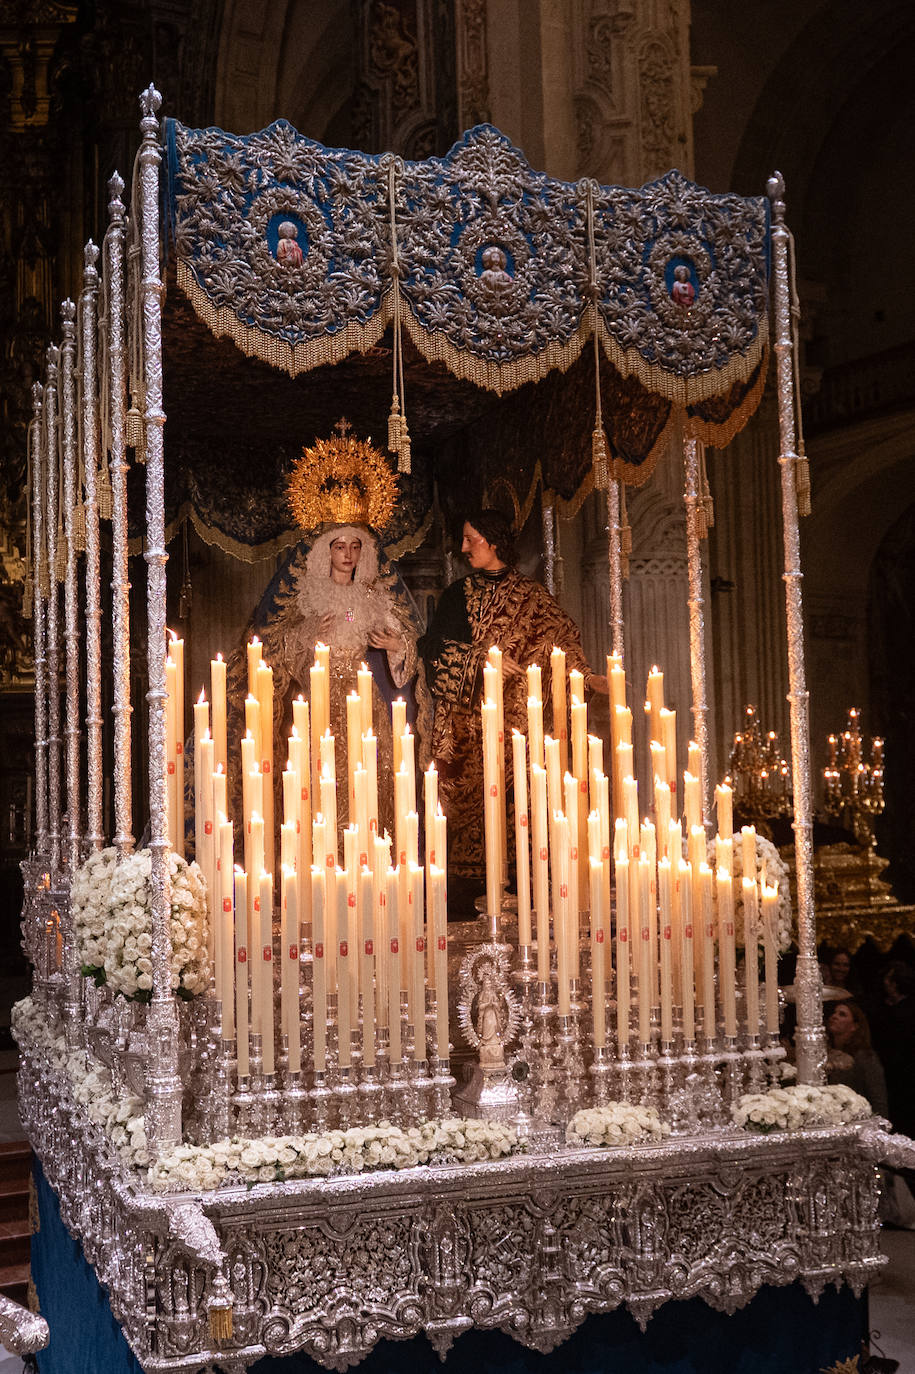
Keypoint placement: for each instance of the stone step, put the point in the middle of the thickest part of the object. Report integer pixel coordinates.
(15, 1160)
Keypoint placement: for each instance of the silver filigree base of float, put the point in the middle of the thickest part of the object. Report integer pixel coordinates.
(529, 1245)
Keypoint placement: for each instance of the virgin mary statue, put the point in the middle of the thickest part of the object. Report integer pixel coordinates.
(338, 587)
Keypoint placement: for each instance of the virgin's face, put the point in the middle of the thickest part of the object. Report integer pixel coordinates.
(478, 551)
(344, 556)
(839, 970)
(841, 1025)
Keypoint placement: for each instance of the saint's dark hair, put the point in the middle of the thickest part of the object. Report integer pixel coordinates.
(496, 529)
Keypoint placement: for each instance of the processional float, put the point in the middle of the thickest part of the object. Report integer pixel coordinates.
(624, 1069)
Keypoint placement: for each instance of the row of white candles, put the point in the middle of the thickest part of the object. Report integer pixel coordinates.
(378, 928)
(655, 914)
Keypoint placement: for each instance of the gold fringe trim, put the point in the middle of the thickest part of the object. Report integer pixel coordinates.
(271, 548)
(718, 434)
(254, 343)
(686, 391)
(28, 597)
(435, 347)
(802, 480)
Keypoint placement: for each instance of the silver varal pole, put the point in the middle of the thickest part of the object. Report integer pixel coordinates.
(72, 730)
(116, 381)
(810, 1038)
(548, 515)
(615, 554)
(88, 324)
(697, 643)
(53, 620)
(39, 622)
(163, 1084)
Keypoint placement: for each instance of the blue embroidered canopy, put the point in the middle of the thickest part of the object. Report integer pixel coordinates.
(291, 249)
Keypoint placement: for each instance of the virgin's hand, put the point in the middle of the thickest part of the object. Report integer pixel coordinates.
(327, 625)
(597, 683)
(380, 639)
(511, 667)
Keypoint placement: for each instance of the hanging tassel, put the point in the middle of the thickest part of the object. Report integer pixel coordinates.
(44, 581)
(395, 421)
(79, 528)
(104, 492)
(27, 599)
(600, 459)
(706, 502)
(625, 531)
(802, 482)
(186, 594)
(219, 1311)
(60, 562)
(404, 453)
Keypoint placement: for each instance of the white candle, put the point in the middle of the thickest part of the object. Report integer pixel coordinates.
(687, 946)
(491, 808)
(319, 969)
(645, 992)
(666, 941)
(522, 847)
(770, 949)
(265, 703)
(225, 942)
(171, 759)
(440, 959)
(598, 954)
(264, 1021)
(655, 703)
(417, 958)
(561, 913)
(540, 841)
(289, 969)
(344, 977)
(398, 729)
(255, 652)
(241, 970)
(367, 971)
(669, 740)
(571, 812)
(560, 708)
(364, 683)
(176, 654)
(394, 965)
(622, 947)
(708, 952)
(751, 951)
(535, 729)
(370, 764)
(724, 810)
(218, 694)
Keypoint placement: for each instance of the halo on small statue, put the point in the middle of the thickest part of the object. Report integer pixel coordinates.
(489, 1013)
(341, 480)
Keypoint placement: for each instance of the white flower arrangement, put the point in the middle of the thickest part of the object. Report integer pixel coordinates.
(770, 863)
(615, 1123)
(791, 1109)
(89, 908)
(273, 1159)
(113, 922)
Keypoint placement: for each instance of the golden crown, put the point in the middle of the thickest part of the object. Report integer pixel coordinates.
(341, 481)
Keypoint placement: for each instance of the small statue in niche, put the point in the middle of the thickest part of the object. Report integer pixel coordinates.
(682, 291)
(488, 1020)
(288, 252)
(494, 277)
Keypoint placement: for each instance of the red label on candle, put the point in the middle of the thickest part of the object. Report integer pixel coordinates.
(420, 944)
(268, 954)
(543, 851)
(330, 861)
(298, 827)
(710, 931)
(688, 931)
(665, 933)
(635, 851)
(370, 946)
(563, 890)
(582, 787)
(242, 955)
(574, 854)
(432, 856)
(403, 856)
(605, 852)
(522, 820)
(257, 903)
(729, 927)
(304, 794)
(395, 946)
(373, 824)
(179, 747)
(382, 899)
(293, 951)
(646, 933)
(319, 950)
(351, 899)
(599, 937)
(623, 935)
(227, 904)
(363, 860)
(493, 791)
(219, 865)
(344, 949)
(265, 766)
(208, 827)
(442, 942)
(171, 766)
